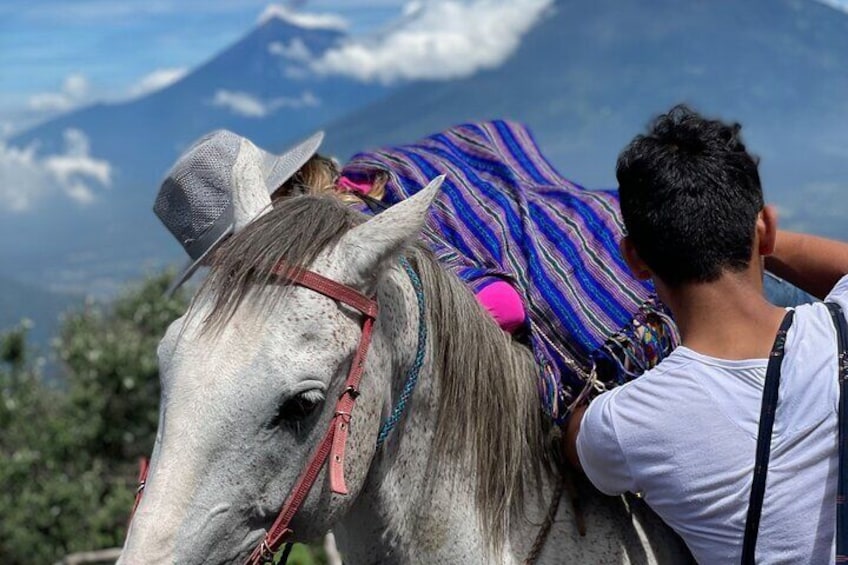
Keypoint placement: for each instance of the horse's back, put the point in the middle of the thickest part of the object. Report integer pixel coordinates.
(617, 530)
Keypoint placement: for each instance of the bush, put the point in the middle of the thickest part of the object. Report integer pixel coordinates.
(68, 452)
(69, 449)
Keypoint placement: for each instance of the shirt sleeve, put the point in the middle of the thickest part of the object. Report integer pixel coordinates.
(599, 448)
(839, 294)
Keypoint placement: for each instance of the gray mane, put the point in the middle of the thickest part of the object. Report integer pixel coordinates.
(296, 230)
(489, 419)
(489, 416)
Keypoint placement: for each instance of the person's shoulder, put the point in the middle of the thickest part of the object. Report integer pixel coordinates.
(839, 292)
(815, 314)
(660, 394)
(635, 399)
(677, 364)
(614, 423)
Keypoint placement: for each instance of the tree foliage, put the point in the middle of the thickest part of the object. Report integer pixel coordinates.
(69, 450)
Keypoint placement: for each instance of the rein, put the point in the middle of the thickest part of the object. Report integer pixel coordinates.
(411, 376)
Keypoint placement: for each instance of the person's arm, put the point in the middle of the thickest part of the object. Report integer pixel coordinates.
(592, 445)
(812, 263)
(570, 438)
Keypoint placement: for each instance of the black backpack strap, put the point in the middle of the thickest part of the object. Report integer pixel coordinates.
(758, 487)
(841, 510)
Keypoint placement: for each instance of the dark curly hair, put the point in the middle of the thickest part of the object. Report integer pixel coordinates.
(690, 195)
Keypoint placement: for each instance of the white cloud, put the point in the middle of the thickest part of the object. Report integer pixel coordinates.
(439, 39)
(74, 91)
(412, 8)
(76, 86)
(28, 177)
(77, 162)
(305, 100)
(157, 80)
(837, 4)
(249, 106)
(303, 19)
(240, 103)
(295, 51)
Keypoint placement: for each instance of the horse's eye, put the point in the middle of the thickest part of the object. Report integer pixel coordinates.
(298, 408)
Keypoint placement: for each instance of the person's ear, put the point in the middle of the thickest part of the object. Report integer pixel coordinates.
(766, 230)
(633, 260)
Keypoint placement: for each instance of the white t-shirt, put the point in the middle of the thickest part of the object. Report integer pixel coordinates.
(684, 436)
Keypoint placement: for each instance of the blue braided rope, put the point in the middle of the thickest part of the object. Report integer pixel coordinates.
(412, 376)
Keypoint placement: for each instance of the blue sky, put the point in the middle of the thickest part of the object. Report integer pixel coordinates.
(107, 46)
(59, 54)
(56, 56)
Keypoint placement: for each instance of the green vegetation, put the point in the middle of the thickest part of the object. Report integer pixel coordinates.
(69, 451)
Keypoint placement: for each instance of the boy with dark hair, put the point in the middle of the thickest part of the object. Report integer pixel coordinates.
(684, 434)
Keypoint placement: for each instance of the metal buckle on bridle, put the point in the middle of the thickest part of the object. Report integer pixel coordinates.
(353, 392)
(345, 416)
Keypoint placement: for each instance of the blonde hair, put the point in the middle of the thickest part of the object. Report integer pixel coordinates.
(320, 175)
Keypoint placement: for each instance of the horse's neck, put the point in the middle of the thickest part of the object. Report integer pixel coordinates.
(414, 509)
(410, 508)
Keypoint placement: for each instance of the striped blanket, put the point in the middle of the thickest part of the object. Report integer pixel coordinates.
(504, 212)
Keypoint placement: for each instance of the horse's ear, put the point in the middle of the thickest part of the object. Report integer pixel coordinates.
(250, 194)
(368, 245)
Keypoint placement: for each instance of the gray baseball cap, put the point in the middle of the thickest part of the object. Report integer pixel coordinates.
(195, 201)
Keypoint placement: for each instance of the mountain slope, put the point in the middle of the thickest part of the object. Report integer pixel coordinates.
(586, 79)
(268, 65)
(590, 76)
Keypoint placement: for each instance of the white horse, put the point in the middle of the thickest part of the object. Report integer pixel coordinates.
(251, 375)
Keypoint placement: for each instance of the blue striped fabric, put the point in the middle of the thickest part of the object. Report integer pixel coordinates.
(505, 212)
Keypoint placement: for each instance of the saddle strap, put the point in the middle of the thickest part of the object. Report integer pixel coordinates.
(758, 487)
(838, 317)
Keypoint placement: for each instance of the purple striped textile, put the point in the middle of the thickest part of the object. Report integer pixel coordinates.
(505, 213)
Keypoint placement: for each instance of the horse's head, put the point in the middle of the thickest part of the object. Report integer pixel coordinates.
(251, 375)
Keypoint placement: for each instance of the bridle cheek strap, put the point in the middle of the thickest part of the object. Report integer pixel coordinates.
(344, 407)
(340, 425)
(335, 439)
(143, 468)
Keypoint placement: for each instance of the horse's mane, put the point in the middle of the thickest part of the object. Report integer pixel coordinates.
(489, 420)
(296, 230)
(489, 415)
